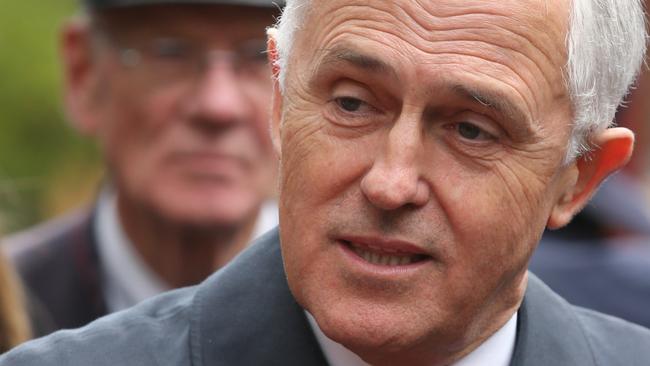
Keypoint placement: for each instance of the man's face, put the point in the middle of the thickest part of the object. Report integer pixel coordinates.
(421, 156)
(188, 140)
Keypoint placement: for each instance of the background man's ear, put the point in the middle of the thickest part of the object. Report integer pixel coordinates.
(276, 109)
(613, 148)
(80, 80)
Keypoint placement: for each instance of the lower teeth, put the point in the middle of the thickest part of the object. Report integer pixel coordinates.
(386, 260)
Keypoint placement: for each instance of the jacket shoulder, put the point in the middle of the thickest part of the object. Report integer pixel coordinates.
(155, 332)
(58, 263)
(35, 246)
(550, 331)
(614, 341)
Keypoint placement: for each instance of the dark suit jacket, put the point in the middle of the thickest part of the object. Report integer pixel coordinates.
(246, 315)
(601, 259)
(613, 278)
(58, 264)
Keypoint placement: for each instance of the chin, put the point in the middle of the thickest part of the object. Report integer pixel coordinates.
(363, 333)
(199, 210)
(364, 330)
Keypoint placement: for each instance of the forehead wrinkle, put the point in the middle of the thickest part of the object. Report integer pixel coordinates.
(501, 58)
(328, 28)
(428, 24)
(508, 37)
(347, 12)
(520, 35)
(509, 44)
(507, 8)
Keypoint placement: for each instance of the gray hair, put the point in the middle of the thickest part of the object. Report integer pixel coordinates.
(605, 44)
(294, 12)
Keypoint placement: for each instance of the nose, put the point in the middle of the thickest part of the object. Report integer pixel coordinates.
(220, 97)
(395, 180)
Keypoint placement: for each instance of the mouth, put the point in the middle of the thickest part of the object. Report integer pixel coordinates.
(386, 255)
(211, 163)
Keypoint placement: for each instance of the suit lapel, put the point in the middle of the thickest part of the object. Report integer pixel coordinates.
(246, 315)
(549, 332)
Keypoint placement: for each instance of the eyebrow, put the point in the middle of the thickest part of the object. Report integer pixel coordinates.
(345, 54)
(498, 104)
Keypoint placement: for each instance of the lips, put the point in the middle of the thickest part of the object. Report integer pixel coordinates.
(386, 253)
(210, 164)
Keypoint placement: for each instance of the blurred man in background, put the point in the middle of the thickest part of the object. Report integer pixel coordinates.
(177, 95)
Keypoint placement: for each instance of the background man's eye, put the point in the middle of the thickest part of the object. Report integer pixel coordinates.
(349, 104)
(469, 131)
(169, 49)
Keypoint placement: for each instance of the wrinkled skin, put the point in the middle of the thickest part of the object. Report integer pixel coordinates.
(442, 124)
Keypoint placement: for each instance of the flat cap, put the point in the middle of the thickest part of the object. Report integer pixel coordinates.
(101, 4)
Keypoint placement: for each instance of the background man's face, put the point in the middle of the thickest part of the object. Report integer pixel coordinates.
(421, 156)
(190, 145)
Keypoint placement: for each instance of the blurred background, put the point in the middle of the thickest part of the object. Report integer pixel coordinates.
(45, 166)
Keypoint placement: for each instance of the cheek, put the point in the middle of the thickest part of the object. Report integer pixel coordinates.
(499, 212)
(134, 128)
(318, 169)
(156, 110)
(150, 115)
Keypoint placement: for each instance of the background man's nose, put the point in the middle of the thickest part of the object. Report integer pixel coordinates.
(394, 180)
(220, 96)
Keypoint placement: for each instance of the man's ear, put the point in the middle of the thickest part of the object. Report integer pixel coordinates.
(79, 76)
(613, 148)
(276, 109)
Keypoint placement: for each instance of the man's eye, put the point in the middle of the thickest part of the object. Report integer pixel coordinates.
(349, 104)
(169, 49)
(470, 131)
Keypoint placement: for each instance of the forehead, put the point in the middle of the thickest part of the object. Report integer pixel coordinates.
(543, 19)
(516, 46)
(207, 21)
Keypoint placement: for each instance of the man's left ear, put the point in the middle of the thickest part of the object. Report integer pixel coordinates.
(613, 148)
(276, 107)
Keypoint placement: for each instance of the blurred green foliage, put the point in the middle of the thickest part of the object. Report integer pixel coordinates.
(45, 167)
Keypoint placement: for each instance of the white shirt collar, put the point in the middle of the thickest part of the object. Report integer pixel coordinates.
(267, 219)
(127, 279)
(495, 351)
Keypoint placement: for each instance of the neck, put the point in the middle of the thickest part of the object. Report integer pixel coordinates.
(182, 254)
